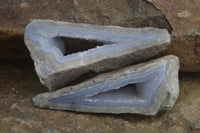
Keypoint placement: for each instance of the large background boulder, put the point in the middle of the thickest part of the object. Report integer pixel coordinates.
(175, 15)
(184, 18)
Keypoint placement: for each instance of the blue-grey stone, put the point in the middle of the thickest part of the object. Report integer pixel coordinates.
(121, 47)
(144, 88)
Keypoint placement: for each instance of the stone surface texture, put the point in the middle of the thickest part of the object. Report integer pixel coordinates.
(17, 114)
(122, 46)
(156, 83)
(177, 16)
(183, 16)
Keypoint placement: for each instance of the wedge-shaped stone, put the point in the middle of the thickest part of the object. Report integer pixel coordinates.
(144, 89)
(112, 48)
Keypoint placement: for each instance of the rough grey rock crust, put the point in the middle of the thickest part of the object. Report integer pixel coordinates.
(122, 46)
(156, 88)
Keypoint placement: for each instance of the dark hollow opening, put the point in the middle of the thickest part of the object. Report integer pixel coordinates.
(74, 45)
(124, 94)
(136, 93)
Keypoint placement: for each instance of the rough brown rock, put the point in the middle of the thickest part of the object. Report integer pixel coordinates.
(175, 15)
(183, 15)
(184, 18)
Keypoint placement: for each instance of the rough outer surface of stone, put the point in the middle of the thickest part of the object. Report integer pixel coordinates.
(144, 89)
(121, 47)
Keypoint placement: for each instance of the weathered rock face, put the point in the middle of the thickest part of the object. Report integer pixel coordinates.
(130, 13)
(183, 15)
(187, 48)
(145, 89)
(177, 16)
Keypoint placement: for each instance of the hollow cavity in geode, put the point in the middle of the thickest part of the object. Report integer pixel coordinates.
(130, 91)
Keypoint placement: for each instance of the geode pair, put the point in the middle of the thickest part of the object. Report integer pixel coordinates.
(92, 68)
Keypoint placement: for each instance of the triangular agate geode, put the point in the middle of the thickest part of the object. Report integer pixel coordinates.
(118, 47)
(144, 88)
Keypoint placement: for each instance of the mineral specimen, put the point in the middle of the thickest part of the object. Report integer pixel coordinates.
(58, 62)
(144, 88)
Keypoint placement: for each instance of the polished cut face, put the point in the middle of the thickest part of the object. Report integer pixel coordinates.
(136, 90)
